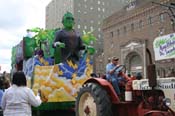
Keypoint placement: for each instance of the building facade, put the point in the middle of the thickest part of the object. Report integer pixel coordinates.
(130, 32)
(89, 15)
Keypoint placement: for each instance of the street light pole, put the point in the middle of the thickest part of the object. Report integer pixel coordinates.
(170, 7)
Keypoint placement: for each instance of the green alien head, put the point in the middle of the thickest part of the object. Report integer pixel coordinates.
(68, 21)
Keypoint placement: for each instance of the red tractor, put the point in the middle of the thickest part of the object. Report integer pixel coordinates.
(145, 97)
(142, 98)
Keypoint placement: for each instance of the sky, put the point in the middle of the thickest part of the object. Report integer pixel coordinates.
(15, 17)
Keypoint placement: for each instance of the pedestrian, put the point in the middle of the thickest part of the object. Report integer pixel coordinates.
(6, 83)
(1, 88)
(93, 75)
(1, 93)
(138, 75)
(18, 99)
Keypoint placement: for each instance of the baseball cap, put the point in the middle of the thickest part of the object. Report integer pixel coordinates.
(115, 58)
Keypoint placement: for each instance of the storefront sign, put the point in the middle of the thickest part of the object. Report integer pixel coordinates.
(164, 47)
(162, 83)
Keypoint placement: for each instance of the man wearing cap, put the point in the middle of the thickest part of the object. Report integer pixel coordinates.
(111, 75)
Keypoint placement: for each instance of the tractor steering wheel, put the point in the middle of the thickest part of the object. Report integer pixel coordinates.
(121, 68)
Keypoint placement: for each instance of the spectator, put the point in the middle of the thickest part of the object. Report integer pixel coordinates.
(138, 76)
(109, 60)
(129, 75)
(171, 73)
(93, 75)
(1, 94)
(1, 88)
(18, 99)
(6, 83)
(29, 33)
(39, 53)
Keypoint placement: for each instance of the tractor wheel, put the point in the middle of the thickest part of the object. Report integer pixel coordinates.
(93, 100)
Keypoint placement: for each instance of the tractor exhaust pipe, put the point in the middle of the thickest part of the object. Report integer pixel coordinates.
(151, 72)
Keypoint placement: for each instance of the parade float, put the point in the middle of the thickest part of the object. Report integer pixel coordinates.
(57, 82)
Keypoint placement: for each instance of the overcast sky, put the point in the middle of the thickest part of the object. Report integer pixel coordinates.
(15, 17)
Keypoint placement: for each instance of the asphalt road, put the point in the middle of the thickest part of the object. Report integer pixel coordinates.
(55, 113)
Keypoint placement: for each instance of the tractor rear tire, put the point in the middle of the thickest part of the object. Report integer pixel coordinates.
(93, 100)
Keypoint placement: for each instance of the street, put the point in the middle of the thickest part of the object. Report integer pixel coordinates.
(55, 113)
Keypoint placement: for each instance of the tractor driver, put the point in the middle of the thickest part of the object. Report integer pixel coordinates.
(68, 40)
(111, 75)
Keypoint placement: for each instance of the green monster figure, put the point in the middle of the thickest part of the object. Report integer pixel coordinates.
(68, 40)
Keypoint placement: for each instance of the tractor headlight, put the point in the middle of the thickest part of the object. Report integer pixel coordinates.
(167, 101)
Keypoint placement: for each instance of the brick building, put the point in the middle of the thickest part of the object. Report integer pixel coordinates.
(130, 32)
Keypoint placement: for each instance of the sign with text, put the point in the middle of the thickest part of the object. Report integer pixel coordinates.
(164, 47)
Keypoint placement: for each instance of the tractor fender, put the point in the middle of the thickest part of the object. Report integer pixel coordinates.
(157, 113)
(106, 85)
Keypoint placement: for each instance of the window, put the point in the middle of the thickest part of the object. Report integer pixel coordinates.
(118, 32)
(85, 12)
(103, 9)
(161, 31)
(112, 34)
(112, 45)
(79, 11)
(85, 27)
(140, 24)
(132, 27)
(91, 8)
(78, 26)
(91, 28)
(161, 17)
(150, 20)
(124, 29)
